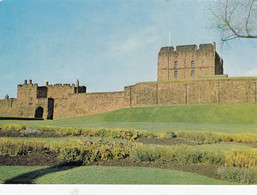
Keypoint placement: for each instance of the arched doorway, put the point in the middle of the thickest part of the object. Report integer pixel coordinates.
(39, 112)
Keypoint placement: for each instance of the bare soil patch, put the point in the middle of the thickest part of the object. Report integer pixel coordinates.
(35, 159)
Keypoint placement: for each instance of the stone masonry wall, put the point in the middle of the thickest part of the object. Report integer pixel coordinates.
(201, 91)
(59, 90)
(194, 91)
(88, 103)
(8, 107)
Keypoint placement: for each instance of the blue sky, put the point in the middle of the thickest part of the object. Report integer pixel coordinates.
(106, 44)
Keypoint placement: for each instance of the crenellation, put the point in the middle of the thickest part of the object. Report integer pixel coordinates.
(186, 48)
(207, 47)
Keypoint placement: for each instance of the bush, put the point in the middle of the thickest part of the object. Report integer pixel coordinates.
(21, 147)
(143, 153)
(174, 155)
(68, 151)
(200, 137)
(208, 137)
(240, 175)
(87, 151)
(13, 128)
(241, 158)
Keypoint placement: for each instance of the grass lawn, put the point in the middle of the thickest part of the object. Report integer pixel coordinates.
(214, 118)
(149, 126)
(106, 175)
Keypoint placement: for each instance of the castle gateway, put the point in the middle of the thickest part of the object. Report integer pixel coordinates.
(187, 75)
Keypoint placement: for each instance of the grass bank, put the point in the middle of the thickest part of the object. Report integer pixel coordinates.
(214, 118)
(106, 175)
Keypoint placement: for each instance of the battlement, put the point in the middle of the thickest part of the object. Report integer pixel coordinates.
(28, 90)
(188, 48)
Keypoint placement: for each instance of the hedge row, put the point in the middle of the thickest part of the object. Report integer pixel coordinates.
(199, 137)
(175, 155)
(68, 151)
(209, 137)
(240, 175)
(73, 131)
(21, 147)
(238, 158)
(88, 151)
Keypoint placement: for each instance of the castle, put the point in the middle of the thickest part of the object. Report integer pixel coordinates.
(187, 75)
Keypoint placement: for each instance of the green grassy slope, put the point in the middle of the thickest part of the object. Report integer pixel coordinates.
(214, 118)
(108, 175)
(219, 114)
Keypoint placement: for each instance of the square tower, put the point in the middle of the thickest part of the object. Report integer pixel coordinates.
(187, 62)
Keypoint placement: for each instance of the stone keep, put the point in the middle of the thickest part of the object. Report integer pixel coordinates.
(188, 62)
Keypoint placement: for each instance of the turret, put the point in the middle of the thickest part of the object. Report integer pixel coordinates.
(77, 86)
(7, 97)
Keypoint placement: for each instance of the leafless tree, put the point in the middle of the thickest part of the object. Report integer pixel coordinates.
(235, 19)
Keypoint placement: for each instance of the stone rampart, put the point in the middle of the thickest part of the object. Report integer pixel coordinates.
(194, 91)
(89, 103)
(197, 91)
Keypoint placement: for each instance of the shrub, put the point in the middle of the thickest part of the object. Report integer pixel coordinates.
(208, 137)
(240, 175)
(21, 147)
(13, 127)
(200, 137)
(241, 158)
(86, 152)
(174, 155)
(143, 153)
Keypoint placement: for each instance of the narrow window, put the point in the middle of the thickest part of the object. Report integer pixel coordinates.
(176, 65)
(176, 74)
(193, 64)
(192, 73)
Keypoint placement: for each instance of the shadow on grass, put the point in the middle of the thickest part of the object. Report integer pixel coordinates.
(28, 178)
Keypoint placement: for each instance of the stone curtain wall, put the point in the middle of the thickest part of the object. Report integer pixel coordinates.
(195, 91)
(89, 103)
(8, 107)
(24, 109)
(201, 91)
(213, 91)
(59, 90)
